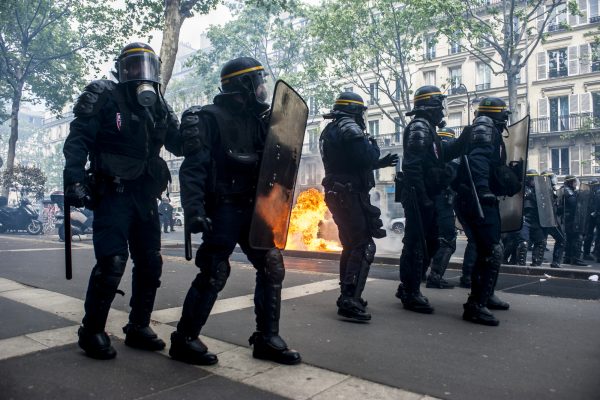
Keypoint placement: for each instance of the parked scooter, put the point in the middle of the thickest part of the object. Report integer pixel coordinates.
(81, 222)
(22, 218)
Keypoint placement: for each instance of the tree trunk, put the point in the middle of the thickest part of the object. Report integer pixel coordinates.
(170, 40)
(513, 106)
(14, 132)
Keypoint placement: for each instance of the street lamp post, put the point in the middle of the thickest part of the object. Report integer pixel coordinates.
(462, 85)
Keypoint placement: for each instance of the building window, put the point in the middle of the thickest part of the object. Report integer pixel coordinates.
(455, 120)
(484, 77)
(596, 159)
(311, 174)
(400, 88)
(454, 46)
(595, 47)
(429, 47)
(559, 113)
(558, 19)
(557, 63)
(313, 139)
(397, 130)
(373, 93)
(348, 89)
(429, 77)
(594, 11)
(455, 74)
(560, 160)
(374, 128)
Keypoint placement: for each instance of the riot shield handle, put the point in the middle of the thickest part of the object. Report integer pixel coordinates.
(67, 230)
(465, 161)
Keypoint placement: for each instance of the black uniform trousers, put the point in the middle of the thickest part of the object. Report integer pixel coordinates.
(444, 208)
(125, 221)
(354, 233)
(413, 259)
(230, 226)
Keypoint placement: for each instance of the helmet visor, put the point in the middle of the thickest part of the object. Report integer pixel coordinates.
(143, 66)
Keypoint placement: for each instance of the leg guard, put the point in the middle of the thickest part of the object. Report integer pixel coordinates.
(368, 257)
(537, 254)
(576, 250)
(146, 280)
(475, 310)
(439, 263)
(102, 288)
(201, 297)
(522, 253)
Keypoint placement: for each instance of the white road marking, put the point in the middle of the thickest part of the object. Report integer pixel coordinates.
(40, 249)
(169, 315)
(300, 382)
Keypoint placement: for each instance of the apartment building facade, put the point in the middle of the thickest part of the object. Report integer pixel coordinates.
(559, 88)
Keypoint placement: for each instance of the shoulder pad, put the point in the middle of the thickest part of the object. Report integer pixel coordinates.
(483, 130)
(418, 134)
(349, 128)
(191, 130)
(92, 98)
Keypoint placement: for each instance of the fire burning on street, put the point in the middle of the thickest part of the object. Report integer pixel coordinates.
(308, 224)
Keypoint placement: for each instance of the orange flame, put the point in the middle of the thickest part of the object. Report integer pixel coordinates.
(307, 222)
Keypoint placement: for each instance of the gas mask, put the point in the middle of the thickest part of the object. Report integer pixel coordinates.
(140, 68)
(145, 94)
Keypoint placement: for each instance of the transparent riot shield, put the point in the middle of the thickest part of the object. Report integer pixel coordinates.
(582, 212)
(278, 169)
(545, 201)
(516, 142)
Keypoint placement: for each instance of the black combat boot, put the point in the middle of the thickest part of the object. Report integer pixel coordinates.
(349, 307)
(96, 344)
(478, 313)
(537, 254)
(495, 303)
(273, 348)
(435, 281)
(414, 301)
(190, 350)
(142, 337)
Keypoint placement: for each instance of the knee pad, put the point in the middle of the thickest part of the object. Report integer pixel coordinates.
(497, 253)
(219, 275)
(109, 271)
(274, 268)
(370, 250)
(446, 243)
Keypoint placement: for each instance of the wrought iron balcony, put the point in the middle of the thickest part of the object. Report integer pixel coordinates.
(563, 124)
(483, 86)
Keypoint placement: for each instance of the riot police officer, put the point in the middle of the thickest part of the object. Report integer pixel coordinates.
(424, 176)
(223, 143)
(349, 158)
(593, 232)
(445, 220)
(573, 207)
(121, 127)
(532, 230)
(557, 231)
(486, 153)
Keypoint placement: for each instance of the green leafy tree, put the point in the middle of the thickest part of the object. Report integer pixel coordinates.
(373, 42)
(274, 34)
(47, 47)
(502, 34)
(26, 180)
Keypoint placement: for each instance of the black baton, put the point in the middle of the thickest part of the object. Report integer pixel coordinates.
(465, 160)
(188, 242)
(67, 230)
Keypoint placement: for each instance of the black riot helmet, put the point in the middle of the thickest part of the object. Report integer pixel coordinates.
(552, 176)
(430, 102)
(448, 133)
(495, 108)
(352, 104)
(138, 62)
(572, 182)
(530, 174)
(246, 76)
(139, 67)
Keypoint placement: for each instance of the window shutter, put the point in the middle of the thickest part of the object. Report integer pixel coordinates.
(543, 115)
(585, 101)
(574, 104)
(585, 58)
(573, 60)
(573, 19)
(583, 18)
(540, 18)
(542, 72)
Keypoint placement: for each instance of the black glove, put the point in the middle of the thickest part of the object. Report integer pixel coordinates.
(198, 224)
(389, 160)
(78, 195)
(486, 197)
(465, 136)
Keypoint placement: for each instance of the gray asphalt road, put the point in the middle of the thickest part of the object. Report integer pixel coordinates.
(543, 348)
